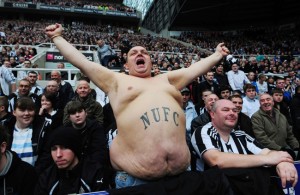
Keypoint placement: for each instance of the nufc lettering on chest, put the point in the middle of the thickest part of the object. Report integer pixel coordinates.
(159, 115)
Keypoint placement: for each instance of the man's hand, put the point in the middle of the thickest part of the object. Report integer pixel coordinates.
(287, 173)
(53, 30)
(276, 157)
(224, 51)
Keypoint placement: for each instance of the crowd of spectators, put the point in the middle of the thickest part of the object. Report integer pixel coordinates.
(255, 57)
(263, 41)
(105, 6)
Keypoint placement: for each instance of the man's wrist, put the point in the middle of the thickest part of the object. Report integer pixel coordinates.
(54, 36)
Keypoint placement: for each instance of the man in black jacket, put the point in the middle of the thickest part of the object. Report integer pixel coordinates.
(65, 176)
(16, 176)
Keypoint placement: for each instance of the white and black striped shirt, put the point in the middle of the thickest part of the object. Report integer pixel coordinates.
(208, 138)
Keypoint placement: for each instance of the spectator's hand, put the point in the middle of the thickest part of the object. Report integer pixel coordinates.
(53, 30)
(276, 157)
(224, 51)
(287, 173)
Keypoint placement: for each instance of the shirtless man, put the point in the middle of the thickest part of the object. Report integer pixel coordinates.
(151, 124)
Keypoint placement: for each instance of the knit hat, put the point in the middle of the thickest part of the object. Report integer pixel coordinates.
(67, 137)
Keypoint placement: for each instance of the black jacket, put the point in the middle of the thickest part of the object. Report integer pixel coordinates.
(295, 113)
(40, 133)
(200, 121)
(244, 123)
(21, 178)
(62, 182)
(94, 151)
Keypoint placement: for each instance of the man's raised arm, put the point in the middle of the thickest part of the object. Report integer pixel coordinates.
(101, 76)
(182, 77)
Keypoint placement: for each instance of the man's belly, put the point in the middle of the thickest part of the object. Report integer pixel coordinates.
(150, 161)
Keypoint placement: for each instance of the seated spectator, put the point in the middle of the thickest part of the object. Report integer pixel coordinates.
(35, 88)
(287, 95)
(250, 103)
(262, 85)
(252, 78)
(244, 122)
(83, 94)
(22, 74)
(105, 53)
(64, 74)
(209, 83)
(237, 78)
(65, 87)
(93, 139)
(200, 106)
(271, 84)
(65, 176)
(204, 118)
(16, 176)
(220, 76)
(23, 91)
(218, 144)
(189, 111)
(225, 92)
(272, 129)
(5, 116)
(277, 95)
(48, 109)
(53, 87)
(28, 132)
(7, 79)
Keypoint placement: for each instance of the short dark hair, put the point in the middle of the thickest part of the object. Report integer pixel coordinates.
(24, 103)
(4, 135)
(235, 96)
(276, 90)
(51, 97)
(225, 87)
(75, 106)
(4, 102)
(32, 72)
(248, 86)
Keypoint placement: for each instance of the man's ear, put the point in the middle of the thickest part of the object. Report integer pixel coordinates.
(212, 114)
(3, 147)
(126, 65)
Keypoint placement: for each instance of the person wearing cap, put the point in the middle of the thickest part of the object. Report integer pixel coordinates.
(189, 110)
(190, 113)
(16, 175)
(65, 176)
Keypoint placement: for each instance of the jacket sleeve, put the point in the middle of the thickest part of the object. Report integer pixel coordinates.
(260, 134)
(66, 119)
(291, 139)
(99, 116)
(41, 187)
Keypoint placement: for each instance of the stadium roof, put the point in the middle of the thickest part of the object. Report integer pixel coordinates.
(233, 14)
